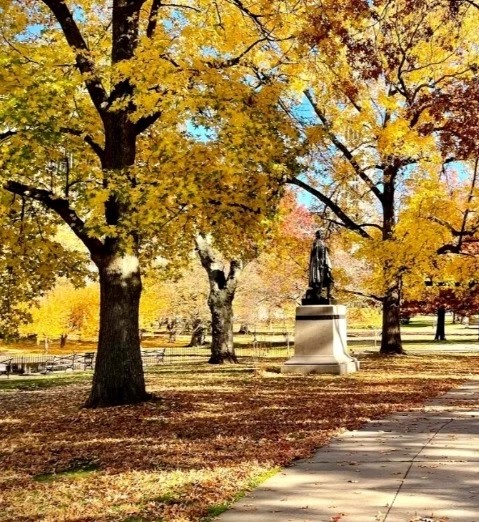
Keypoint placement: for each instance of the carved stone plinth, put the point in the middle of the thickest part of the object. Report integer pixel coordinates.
(320, 344)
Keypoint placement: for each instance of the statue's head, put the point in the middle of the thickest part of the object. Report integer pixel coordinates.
(319, 234)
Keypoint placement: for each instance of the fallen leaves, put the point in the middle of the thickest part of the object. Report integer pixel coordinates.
(210, 434)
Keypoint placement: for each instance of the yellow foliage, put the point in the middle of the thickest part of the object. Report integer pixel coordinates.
(66, 311)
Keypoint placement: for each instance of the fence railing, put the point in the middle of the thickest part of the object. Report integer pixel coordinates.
(44, 364)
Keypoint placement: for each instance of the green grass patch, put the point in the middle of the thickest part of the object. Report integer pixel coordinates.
(417, 324)
(42, 382)
(77, 469)
(216, 510)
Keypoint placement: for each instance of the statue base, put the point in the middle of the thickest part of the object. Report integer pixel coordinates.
(320, 342)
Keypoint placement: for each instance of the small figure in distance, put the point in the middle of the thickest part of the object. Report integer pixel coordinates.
(320, 275)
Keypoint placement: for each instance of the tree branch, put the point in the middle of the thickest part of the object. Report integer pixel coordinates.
(5, 135)
(84, 63)
(62, 208)
(368, 296)
(97, 149)
(448, 249)
(347, 222)
(454, 231)
(342, 148)
(372, 225)
(234, 61)
(245, 208)
(153, 18)
(143, 123)
(236, 266)
(471, 2)
(256, 18)
(469, 200)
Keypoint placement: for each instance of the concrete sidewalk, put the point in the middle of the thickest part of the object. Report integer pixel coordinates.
(420, 466)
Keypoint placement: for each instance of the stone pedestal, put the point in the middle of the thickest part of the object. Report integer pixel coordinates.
(320, 344)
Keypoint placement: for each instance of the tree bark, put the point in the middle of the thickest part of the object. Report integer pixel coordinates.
(118, 377)
(441, 324)
(220, 301)
(391, 343)
(222, 347)
(198, 333)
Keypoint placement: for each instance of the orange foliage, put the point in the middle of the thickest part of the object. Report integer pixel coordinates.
(211, 433)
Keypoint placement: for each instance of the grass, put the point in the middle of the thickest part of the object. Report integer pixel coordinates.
(39, 382)
(210, 434)
(78, 469)
(268, 339)
(216, 510)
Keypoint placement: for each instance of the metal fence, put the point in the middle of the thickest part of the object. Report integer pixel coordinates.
(253, 350)
(46, 363)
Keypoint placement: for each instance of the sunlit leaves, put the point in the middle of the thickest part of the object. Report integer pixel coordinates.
(212, 433)
(30, 260)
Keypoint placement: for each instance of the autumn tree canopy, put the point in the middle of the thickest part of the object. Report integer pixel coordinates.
(369, 126)
(142, 125)
(138, 124)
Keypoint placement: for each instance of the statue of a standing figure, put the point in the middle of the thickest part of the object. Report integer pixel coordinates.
(320, 276)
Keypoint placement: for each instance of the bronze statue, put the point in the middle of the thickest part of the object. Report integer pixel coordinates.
(320, 276)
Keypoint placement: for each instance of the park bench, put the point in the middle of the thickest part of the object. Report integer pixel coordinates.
(5, 367)
(153, 356)
(11, 366)
(59, 363)
(88, 359)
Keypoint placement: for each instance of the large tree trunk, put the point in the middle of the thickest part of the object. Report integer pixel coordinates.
(391, 343)
(220, 300)
(441, 324)
(118, 377)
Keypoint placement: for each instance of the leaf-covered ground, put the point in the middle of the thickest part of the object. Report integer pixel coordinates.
(210, 434)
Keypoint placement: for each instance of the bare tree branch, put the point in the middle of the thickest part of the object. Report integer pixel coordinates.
(234, 61)
(368, 296)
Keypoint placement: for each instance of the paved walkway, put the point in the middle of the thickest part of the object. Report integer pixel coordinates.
(420, 466)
